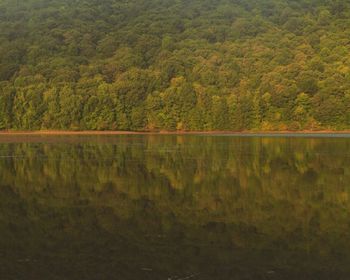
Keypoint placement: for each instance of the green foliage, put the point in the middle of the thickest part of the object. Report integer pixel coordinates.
(177, 65)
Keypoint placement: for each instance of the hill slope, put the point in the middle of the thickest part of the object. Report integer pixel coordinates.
(175, 64)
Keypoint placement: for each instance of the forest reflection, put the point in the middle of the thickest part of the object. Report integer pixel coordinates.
(171, 207)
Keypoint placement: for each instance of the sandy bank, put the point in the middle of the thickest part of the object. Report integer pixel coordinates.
(89, 132)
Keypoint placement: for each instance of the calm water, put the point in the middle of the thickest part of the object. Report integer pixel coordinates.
(174, 207)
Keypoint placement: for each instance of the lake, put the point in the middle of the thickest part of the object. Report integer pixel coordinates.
(175, 207)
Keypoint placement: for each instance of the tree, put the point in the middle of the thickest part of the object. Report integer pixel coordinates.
(179, 65)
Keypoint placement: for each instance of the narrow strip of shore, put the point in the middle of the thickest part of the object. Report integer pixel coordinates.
(91, 132)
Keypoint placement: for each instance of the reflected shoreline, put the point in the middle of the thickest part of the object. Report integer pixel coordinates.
(222, 208)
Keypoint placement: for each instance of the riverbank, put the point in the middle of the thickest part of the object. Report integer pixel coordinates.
(89, 132)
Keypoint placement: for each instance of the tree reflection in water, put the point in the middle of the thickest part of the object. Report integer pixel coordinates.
(171, 207)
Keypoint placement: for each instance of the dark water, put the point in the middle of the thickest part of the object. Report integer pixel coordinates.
(174, 207)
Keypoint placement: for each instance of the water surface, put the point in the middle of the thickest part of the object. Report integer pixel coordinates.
(174, 207)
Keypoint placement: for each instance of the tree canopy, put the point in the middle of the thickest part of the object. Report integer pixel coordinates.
(175, 64)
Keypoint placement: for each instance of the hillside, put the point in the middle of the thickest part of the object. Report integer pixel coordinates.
(175, 64)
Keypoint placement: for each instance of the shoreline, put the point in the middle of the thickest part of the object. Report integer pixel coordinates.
(90, 132)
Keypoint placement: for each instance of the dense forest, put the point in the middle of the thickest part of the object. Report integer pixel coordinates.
(175, 64)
